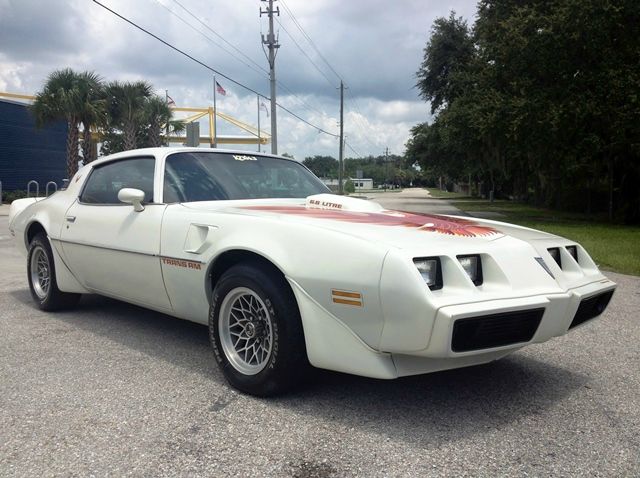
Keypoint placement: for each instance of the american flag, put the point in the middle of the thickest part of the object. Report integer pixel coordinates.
(170, 101)
(220, 89)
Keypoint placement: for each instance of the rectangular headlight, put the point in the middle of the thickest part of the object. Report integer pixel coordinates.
(472, 265)
(555, 253)
(573, 250)
(430, 270)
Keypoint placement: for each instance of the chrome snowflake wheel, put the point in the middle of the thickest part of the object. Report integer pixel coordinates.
(40, 272)
(246, 330)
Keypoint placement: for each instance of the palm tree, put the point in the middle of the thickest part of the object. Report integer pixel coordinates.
(57, 101)
(92, 104)
(157, 114)
(157, 119)
(126, 102)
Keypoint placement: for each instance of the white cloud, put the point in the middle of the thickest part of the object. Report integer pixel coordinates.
(376, 46)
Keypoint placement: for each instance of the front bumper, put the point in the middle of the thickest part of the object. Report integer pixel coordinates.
(332, 345)
(558, 314)
(562, 313)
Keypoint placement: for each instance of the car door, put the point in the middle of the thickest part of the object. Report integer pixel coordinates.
(111, 248)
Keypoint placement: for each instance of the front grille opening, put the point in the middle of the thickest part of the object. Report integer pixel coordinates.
(495, 330)
(591, 307)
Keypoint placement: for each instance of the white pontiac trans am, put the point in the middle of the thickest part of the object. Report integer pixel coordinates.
(286, 274)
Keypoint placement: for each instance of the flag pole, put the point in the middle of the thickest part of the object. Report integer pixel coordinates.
(215, 115)
(258, 103)
(166, 98)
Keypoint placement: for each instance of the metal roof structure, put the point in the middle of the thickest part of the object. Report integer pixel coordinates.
(256, 136)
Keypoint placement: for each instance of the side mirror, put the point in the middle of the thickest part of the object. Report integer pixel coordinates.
(132, 196)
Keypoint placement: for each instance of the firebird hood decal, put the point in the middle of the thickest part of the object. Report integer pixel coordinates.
(423, 222)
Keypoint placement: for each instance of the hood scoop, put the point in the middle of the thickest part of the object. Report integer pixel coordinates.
(333, 202)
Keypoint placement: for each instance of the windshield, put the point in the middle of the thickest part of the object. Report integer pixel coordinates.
(211, 176)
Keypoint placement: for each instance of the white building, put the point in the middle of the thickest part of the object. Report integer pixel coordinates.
(359, 184)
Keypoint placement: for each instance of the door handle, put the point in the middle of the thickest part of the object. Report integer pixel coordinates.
(71, 218)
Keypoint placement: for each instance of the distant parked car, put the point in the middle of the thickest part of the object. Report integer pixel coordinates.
(286, 275)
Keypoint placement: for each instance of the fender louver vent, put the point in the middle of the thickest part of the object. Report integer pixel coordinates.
(591, 307)
(495, 330)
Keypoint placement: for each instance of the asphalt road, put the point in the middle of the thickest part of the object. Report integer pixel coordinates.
(112, 390)
(414, 200)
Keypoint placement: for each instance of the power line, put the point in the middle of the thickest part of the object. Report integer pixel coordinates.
(351, 148)
(210, 39)
(304, 33)
(305, 54)
(284, 86)
(303, 102)
(322, 57)
(359, 120)
(182, 52)
(320, 130)
(219, 36)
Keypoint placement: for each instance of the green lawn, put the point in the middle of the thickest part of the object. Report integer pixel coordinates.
(436, 193)
(612, 247)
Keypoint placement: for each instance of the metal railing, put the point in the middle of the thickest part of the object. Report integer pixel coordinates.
(33, 181)
(50, 188)
(50, 183)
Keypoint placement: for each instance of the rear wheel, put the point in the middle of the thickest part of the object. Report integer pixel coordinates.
(256, 331)
(41, 272)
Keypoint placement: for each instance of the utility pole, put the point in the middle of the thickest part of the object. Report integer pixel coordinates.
(271, 41)
(341, 153)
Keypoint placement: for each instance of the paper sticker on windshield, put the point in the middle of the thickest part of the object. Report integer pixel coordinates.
(240, 157)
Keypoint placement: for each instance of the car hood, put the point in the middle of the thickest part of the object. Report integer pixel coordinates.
(370, 221)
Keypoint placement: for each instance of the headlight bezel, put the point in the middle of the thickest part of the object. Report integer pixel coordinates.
(437, 282)
(573, 251)
(555, 254)
(479, 277)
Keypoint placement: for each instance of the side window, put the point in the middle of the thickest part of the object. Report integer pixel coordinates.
(105, 181)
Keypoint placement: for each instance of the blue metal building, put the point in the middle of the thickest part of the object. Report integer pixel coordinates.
(27, 152)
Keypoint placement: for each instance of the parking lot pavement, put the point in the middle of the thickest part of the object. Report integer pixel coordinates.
(112, 389)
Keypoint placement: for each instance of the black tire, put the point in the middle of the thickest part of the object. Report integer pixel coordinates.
(271, 299)
(46, 293)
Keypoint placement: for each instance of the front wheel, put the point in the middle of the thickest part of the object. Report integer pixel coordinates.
(41, 271)
(256, 331)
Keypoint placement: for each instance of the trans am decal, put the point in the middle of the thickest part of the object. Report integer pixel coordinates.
(186, 264)
(422, 222)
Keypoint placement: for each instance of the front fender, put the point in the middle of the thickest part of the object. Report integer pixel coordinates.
(319, 260)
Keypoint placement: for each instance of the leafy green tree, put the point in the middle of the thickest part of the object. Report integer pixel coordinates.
(349, 187)
(539, 100)
(446, 56)
(322, 166)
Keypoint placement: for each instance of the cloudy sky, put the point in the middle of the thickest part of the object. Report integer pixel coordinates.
(375, 46)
